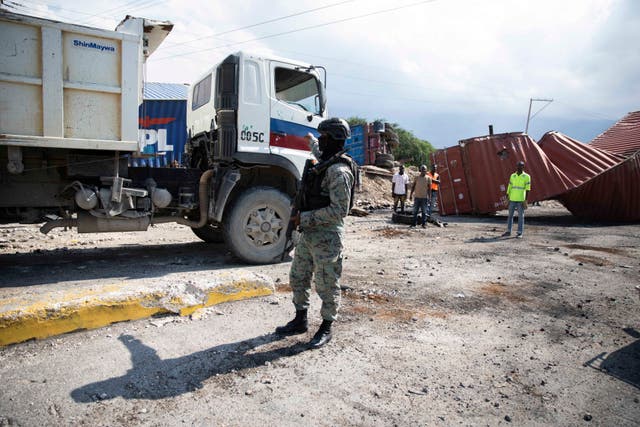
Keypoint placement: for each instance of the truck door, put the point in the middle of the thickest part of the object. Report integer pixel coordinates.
(296, 101)
(253, 111)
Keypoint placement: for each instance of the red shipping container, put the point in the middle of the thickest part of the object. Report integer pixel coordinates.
(453, 195)
(579, 162)
(488, 162)
(591, 182)
(621, 138)
(614, 195)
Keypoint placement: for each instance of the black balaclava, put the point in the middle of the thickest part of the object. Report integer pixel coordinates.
(328, 146)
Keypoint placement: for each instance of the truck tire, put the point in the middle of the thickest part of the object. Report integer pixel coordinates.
(384, 160)
(256, 224)
(384, 157)
(209, 234)
(387, 164)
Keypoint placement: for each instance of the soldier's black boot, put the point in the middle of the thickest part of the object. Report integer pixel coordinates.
(323, 335)
(298, 325)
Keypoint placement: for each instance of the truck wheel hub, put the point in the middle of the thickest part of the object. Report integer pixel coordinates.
(263, 226)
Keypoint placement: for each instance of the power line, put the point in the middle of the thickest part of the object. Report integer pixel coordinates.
(529, 116)
(31, 9)
(53, 7)
(397, 98)
(414, 86)
(132, 3)
(540, 110)
(337, 21)
(146, 6)
(19, 7)
(384, 82)
(592, 114)
(304, 12)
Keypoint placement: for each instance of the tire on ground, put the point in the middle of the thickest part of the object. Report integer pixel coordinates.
(255, 226)
(400, 218)
(209, 234)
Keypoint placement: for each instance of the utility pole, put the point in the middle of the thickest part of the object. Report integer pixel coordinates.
(529, 117)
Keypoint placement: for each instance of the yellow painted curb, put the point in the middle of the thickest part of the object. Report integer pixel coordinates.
(42, 320)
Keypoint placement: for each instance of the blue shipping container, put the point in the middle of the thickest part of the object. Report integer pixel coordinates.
(162, 132)
(355, 144)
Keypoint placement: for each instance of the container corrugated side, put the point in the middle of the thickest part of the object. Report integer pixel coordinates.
(613, 195)
(622, 138)
(453, 194)
(579, 162)
(355, 144)
(489, 161)
(162, 133)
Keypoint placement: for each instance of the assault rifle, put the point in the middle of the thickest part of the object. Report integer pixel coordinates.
(299, 201)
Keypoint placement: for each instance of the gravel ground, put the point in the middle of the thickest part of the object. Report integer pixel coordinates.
(440, 326)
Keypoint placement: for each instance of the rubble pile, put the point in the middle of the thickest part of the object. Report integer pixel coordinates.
(374, 191)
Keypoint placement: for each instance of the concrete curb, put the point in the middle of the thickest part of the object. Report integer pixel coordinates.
(57, 313)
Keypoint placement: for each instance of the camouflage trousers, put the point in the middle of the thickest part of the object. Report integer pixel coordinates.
(318, 254)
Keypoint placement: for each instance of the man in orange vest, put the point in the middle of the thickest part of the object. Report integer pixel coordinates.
(435, 185)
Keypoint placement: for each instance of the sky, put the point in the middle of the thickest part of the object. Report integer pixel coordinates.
(443, 69)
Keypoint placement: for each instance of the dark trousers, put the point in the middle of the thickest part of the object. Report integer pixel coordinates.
(433, 202)
(421, 204)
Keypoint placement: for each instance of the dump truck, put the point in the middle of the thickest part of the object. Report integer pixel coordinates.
(69, 98)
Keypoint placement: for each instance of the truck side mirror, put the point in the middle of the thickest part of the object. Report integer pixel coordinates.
(320, 104)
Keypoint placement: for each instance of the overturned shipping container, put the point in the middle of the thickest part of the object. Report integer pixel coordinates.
(474, 175)
(622, 138)
(591, 182)
(605, 185)
(355, 145)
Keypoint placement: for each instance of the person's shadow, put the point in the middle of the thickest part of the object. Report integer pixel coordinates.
(623, 364)
(154, 378)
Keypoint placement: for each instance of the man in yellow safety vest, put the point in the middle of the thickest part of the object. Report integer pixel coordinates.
(519, 184)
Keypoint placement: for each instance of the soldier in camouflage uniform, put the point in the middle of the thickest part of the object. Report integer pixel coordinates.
(319, 251)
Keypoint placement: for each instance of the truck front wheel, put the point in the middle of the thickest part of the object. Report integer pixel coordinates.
(255, 226)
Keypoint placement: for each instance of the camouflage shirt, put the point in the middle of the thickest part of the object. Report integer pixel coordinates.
(336, 184)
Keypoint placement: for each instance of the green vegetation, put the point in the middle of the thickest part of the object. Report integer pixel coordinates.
(355, 121)
(411, 150)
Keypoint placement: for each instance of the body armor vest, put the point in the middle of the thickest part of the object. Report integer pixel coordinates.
(314, 199)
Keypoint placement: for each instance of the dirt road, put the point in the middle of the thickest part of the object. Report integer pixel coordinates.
(440, 326)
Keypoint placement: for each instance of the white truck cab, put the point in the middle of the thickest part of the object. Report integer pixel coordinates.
(259, 106)
(247, 119)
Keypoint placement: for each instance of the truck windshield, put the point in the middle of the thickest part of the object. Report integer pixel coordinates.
(298, 88)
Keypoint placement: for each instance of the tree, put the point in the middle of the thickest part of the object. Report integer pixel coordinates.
(355, 121)
(411, 150)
